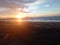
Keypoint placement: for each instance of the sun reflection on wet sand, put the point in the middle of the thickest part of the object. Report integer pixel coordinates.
(19, 20)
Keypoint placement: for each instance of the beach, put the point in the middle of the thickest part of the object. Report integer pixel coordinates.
(29, 33)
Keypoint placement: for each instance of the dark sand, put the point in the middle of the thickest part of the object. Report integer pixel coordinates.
(29, 33)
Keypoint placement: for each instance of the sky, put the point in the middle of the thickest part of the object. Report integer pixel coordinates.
(33, 8)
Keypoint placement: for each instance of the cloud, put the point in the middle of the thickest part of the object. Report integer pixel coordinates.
(25, 10)
(47, 5)
(18, 5)
(3, 9)
(14, 5)
(36, 2)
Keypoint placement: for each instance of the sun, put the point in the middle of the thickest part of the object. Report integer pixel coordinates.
(19, 16)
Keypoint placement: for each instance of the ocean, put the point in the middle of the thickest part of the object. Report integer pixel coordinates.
(36, 19)
(45, 19)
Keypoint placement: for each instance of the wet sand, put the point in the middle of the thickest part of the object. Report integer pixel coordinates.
(29, 33)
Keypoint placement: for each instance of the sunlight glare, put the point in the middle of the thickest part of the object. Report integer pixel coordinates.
(19, 20)
(19, 16)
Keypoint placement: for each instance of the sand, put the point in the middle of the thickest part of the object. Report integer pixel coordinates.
(29, 33)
